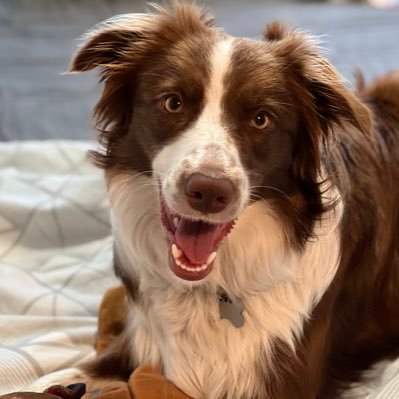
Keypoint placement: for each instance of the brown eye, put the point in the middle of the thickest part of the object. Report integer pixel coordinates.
(172, 103)
(261, 120)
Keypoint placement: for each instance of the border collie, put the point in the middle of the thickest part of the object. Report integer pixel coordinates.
(255, 208)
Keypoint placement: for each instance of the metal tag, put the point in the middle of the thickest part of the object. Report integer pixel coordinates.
(230, 310)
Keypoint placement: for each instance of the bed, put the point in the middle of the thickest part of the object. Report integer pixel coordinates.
(55, 258)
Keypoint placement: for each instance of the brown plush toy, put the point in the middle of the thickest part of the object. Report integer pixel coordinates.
(74, 391)
(111, 316)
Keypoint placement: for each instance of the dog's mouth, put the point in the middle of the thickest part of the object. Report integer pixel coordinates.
(193, 244)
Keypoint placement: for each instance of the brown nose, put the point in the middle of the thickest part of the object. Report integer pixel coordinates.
(208, 194)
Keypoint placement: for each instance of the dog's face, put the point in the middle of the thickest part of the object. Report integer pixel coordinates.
(219, 122)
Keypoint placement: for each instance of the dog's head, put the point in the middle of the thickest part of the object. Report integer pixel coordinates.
(219, 122)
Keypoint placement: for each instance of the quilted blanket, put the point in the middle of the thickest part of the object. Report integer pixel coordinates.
(55, 263)
(55, 258)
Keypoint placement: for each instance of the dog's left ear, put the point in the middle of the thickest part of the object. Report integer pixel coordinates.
(332, 101)
(324, 100)
(321, 85)
(107, 45)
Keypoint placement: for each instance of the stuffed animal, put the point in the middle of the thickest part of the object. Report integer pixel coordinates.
(74, 391)
(111, 316)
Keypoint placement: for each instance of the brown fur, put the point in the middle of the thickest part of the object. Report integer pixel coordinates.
(356, 323)
(126, 59)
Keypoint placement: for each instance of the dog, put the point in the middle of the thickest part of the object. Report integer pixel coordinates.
(254, 207)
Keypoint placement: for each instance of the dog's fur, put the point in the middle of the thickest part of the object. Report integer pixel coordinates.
(314, 253)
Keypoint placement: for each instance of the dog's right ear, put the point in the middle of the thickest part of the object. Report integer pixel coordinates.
(120, 47)
(108, 43)
(122, 41)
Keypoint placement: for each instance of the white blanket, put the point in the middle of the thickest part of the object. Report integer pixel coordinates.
(55, 263)
(55, 258)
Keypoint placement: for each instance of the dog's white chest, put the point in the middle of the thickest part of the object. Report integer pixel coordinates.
(206, 354)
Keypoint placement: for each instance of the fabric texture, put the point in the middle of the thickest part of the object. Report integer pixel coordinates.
(55, 258)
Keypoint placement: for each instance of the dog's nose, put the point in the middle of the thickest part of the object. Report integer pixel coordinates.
(207, 194)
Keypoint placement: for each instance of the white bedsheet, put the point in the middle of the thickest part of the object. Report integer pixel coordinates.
(55, 258)
(55, 263)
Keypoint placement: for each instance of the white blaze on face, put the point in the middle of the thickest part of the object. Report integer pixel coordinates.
(206, 147)
(220, 63)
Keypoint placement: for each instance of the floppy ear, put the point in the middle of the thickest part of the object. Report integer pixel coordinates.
(332, 101)
(123, 39)
(324, 100)
(119, 47)
(109, 42)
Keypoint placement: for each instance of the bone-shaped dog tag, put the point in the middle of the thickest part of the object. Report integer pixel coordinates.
(230, 310)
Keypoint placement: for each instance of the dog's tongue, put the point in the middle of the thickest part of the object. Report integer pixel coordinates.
(197, 240)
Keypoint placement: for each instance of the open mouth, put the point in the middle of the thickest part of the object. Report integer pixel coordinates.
(193, 244)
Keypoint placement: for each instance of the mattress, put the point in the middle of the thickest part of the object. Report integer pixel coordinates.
(56, 263)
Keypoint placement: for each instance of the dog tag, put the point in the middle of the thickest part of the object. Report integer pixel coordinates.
(230, 310)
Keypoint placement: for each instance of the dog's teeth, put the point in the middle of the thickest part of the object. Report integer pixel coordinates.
(176, 220)
(184, 266)
(181, 265)
(178, 262)
(211, 258)
(176, 252)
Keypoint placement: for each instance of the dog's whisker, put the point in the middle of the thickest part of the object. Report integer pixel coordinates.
(268, 205)
(272, 188)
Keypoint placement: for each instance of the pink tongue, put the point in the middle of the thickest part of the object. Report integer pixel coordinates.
(197, 240)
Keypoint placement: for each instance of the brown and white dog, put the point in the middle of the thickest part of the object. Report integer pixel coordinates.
(245, 170)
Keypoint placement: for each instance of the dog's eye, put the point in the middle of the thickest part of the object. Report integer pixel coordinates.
(172, 103)
(261, 120)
